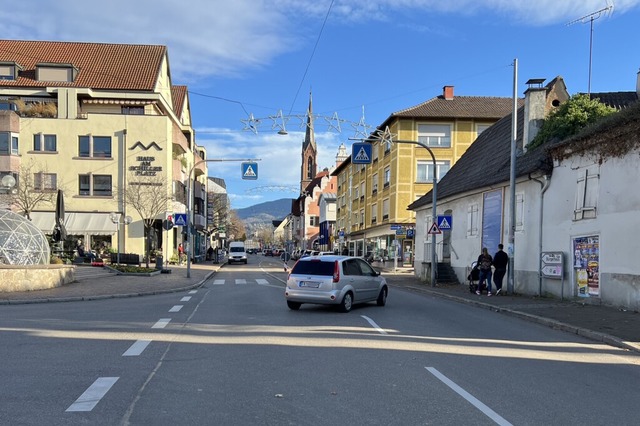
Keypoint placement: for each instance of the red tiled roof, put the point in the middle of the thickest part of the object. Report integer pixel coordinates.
(178, 93)
(100, 65)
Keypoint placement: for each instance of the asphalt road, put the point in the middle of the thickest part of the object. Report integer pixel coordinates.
(232, 353)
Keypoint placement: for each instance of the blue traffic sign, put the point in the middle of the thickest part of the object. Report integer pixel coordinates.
(180, 219)
(250, 171)
(445, 223)
(395, 227)
(361, 153)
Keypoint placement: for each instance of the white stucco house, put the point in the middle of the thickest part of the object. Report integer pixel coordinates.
(573, 204)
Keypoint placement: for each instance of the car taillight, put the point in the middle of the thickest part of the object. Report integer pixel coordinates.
(336, 272)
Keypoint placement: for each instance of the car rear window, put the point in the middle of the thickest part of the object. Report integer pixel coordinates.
(313, 267)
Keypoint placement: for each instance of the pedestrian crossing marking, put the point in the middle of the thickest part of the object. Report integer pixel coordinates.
(362, 155)
(218, 282)
(262, 281)
(185, 299)
(241, 281)
(176, 308)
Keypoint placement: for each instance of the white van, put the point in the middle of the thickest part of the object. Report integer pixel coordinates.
(237, 252)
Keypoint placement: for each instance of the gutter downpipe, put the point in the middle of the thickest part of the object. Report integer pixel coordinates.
(544, 186)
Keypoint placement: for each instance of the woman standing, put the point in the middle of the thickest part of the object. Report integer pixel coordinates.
(484, 266)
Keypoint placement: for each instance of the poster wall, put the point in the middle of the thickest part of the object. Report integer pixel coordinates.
(586, 263)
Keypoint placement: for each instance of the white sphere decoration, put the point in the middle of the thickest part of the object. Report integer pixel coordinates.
(21, 242)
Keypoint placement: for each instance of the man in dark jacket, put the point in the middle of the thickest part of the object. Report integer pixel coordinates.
(500, 262)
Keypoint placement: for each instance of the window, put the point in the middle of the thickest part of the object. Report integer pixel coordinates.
(387, 146)
(356, 192)
(45, 181)
(385, 209)
(472, 220)
(587, 194)
(374, 213)
(314, 221)
(309, 168)
(437, 135)
(8, 144)
(362, 190)
(132, 110)
(374, 152)
(95, 185)
(481, 128)
(45, 143)
(94, 146)
(374, 185)
(519, 212)
(362, 217)
(424, 173)
(387, 176)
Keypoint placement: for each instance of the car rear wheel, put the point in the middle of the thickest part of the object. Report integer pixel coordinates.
(294, 306)
(382, 297)
(347, 302)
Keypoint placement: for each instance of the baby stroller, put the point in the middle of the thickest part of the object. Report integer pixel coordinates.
(473, 278)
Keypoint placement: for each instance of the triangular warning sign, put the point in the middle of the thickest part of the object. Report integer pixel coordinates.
(249, 172)
(362, 155)
(444, 224)
(434, 229)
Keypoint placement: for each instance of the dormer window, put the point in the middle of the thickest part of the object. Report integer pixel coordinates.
(56, 72)
(9, 70)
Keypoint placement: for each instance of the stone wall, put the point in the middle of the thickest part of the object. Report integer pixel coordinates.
(35, 277)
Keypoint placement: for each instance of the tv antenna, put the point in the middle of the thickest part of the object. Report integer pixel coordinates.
(590, 18)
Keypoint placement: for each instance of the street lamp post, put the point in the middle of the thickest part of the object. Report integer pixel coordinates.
(190, 202)
(434, 215)
(119, 219)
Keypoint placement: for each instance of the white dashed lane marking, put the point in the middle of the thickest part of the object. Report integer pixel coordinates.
(137, 348)
(185, 299)
(90, 398)
(162, 323)
(193, 291)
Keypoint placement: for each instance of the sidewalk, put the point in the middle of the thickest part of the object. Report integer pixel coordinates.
(600, 323)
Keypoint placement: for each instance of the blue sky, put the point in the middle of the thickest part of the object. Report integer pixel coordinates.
(358, 57)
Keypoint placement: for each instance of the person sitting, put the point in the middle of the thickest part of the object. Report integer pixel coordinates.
(85, 254)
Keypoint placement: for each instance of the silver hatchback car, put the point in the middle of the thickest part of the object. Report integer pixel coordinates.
(334, 280)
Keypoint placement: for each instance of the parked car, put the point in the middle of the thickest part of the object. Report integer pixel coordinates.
(334, 280)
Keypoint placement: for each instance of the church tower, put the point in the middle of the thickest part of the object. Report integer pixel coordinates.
(309, 151)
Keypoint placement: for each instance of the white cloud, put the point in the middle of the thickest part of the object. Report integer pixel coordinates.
(226, 38)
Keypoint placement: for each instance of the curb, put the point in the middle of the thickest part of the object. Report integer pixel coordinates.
(551, 323)
(108, 296)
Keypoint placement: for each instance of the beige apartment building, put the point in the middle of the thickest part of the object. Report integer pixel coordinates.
(372, 217)
(100, 121)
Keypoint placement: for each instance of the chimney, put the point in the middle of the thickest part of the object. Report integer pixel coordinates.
(535, 99)
(447, 92)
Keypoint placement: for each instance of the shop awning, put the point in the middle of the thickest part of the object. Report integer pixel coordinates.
(76, 223)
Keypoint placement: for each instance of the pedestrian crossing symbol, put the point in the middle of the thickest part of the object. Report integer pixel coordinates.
(361, 153)
(445, 222)
(250, 171)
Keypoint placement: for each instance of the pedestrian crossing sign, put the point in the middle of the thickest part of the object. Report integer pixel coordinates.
(180, 219)
(445, 223)
(361, 153)
(250, 171)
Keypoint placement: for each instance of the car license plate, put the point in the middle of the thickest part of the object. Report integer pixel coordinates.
(310, 284)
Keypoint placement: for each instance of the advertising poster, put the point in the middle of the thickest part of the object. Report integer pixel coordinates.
(586, 261)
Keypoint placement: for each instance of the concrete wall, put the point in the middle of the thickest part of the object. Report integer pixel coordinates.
(37, 277)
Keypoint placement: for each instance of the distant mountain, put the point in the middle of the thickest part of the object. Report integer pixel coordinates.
(264, 213)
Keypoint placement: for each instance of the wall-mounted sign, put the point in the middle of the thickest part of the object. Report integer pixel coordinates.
(144, 167)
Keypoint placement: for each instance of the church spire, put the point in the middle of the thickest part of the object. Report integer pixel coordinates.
(309, 166)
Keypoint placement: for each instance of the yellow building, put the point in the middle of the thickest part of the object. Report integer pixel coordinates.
(104, 123)
(372, 216)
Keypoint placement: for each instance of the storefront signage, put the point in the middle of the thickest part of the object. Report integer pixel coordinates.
(144, 167)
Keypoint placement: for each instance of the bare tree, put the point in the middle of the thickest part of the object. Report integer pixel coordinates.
(34, 186)
(149, 196)
(236, 226)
